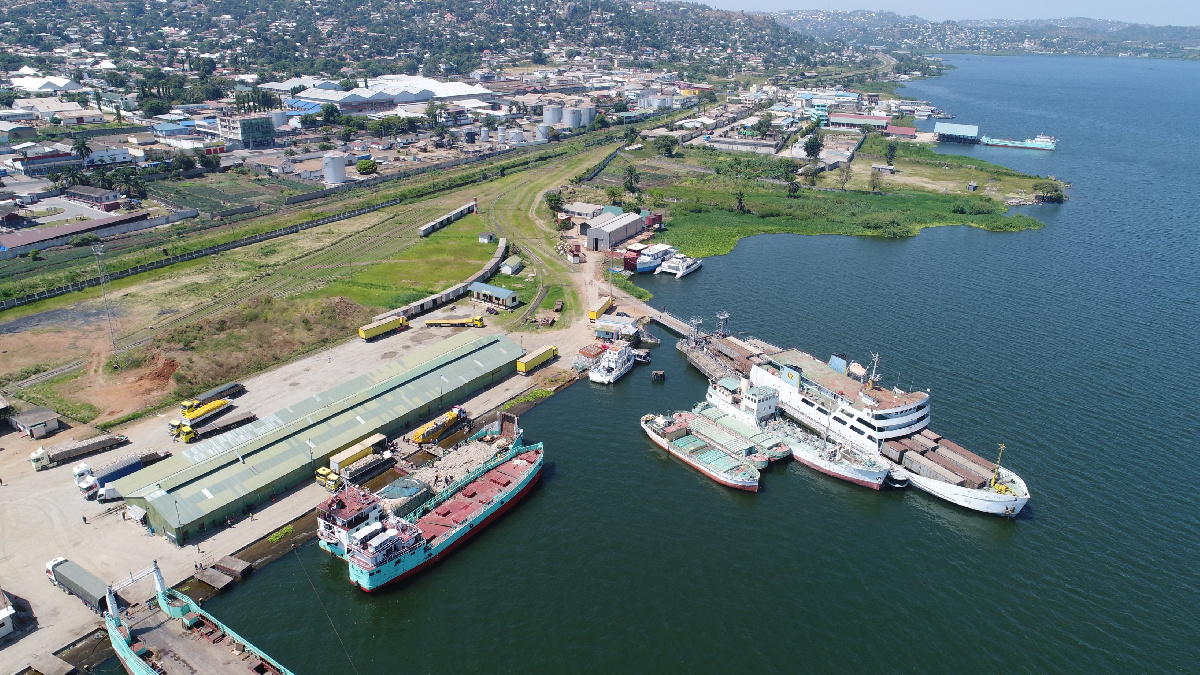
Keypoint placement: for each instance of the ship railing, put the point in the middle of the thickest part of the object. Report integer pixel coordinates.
(366, 561)
(194, 608)
(133, 663)
(459, 484)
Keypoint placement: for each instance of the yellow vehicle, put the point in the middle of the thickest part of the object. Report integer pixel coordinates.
(328, 479)
(382, 326)
(530, 361)
(600, 308)
(194, 411)
(431, 431)
(477, 322)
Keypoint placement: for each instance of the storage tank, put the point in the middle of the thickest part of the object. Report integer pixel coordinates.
(469, 134)
(543, 132)
(516, 136)
(573, 117)
(484, 134)
(552, 114)
(587, 113)
(278, 118)
(334, 164)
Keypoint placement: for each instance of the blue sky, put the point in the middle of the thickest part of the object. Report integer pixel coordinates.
(1161, 12)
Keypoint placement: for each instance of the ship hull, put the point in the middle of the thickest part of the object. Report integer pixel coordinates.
(609, 378)
(462, 538)
(864, 477)
(688, 460)
(983, 501)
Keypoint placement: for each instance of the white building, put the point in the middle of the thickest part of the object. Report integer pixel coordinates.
(285, 88)
(106, 155)
(69, 112)
(45, 85)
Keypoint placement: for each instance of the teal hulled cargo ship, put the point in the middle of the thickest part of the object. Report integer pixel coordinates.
(394, 548)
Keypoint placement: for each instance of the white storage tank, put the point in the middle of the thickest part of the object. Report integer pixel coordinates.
(552, 114)
(588, 114)
(278, 118)
(516, 136)
(334, 165)
(573, 117)
(543, 132)
(484, 134)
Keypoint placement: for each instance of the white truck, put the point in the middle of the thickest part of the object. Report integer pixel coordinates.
(44, 458)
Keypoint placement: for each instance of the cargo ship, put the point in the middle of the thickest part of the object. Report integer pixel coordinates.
(1039, 142)
(397, 548)
(844, 402)
(672, 432)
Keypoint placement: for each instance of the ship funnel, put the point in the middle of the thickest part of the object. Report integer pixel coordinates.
(744, 386)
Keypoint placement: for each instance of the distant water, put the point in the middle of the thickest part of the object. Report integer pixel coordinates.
(1075, 345)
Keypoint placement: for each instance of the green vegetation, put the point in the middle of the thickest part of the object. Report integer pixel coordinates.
(279, 536)
(535, 395)
(23, 374)
(48, 394)
(925, 154)
(633, 289)
(553, 294)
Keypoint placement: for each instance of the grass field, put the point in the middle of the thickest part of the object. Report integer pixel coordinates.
(219, 191)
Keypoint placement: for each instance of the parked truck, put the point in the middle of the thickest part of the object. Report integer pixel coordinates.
(433, 430)
(367, 468)
(377, 328)
(94, 483)
(477, 322)
(191, 415)
(189, 434)
(44, 458)
(73, 579)
(343, 459)
(227, 390)
(530, 361)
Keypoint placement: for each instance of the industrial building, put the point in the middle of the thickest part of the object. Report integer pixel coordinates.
(613, 231)
(956, 133)
(202, 486)
(493, 295)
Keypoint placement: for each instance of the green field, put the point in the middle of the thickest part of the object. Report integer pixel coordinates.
(220, 191)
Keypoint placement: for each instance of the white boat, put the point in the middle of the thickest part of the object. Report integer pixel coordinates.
(845, 403)
(840, 460)
(653, 256)
(679, 266)
(613, 363)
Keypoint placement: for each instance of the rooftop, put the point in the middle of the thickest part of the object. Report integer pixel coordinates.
(949, 129)
(824, 375)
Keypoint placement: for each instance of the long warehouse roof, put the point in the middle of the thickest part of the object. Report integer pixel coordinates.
(202, 478)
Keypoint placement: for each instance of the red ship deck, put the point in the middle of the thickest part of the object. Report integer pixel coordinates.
(468, 502)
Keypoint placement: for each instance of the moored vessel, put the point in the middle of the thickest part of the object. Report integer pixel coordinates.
(1039, 142)
(672, 433)
(679, 266)
(613, 363)
(839, 460)
(653, 256)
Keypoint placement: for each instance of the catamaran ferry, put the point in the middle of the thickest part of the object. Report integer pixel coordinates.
(845, 404)
(653, 256)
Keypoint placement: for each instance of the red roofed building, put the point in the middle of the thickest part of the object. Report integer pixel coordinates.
(901, 132)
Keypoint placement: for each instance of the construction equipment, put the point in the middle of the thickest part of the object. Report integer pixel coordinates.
(45, 458)
(431, 431)
(382, 326)
(477, 322)
(189, 434)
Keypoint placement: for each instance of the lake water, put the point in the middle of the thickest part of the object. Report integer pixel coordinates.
(1075, 345)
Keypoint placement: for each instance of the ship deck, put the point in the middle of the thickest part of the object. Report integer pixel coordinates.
(824, 374)
(179, 650)
(471, 500)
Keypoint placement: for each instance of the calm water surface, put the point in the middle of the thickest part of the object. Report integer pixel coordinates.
(1074, 344)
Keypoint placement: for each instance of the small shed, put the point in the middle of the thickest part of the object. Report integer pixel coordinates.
(512, 265)
(615, 327)
(487, 237)
(36, 422)
(883, 168)
(493, 295)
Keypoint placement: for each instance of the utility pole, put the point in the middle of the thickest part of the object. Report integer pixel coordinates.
(98, 251)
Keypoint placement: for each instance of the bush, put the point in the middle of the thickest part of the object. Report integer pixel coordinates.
(366, 167)
(279, 536)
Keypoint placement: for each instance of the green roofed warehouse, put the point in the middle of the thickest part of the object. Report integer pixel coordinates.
(203, 485)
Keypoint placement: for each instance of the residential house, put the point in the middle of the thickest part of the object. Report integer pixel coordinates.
(69, 113)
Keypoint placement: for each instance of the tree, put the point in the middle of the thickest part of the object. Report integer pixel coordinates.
(348, 84)
(554, 200)
(632, 178)
(209, 162)
(810, 171)
(875, 182)
(793, 188)
(308, 120)
(631, 135)
(845, 172)
(205, 66)
(615, 194)
(763, 126)
(1049, 192)
(814, 145)
(73, 176)
(80, 147)
(366, 167)
(666, 145)
(152, 107)
(183, 162)
(739, 198)
(539, 58)
(432, 111)
(330, 113)
(620, 106)
(56, 178)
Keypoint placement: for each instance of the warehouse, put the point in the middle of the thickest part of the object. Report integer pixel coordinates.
(956, 133)
(614, 231)
(202, 486)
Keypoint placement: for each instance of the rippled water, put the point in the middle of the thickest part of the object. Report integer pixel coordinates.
(1074, 344)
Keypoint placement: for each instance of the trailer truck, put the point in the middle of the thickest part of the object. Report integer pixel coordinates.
(95, 483)
(44, 458)
(377, 328)
(189, 434)
(191, 414)
(73, 579)
(526, 364)
(477, 322)
(227, 390)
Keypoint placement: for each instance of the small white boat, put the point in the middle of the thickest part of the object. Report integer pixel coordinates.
(679, 266)
(613, 363)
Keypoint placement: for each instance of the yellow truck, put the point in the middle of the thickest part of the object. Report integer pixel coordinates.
(431, 431)
(600, 308)
(328, 479)
(382, 326)
(192, 413)
(352, 454)
(538, 357)
(477, 322)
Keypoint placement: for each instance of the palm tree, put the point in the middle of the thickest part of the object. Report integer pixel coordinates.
(56, 178)
(80, 147)
(101, 178)
(632, 178)
(739, 196)
(72, 176)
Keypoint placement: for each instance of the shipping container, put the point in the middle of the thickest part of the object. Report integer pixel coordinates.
(960, 450)
(962, 466)
(600, 308)
(923, 467)
(378, 328)
(228, 390)
(893, 451)
(923, 442)
(911, 445)
(968, 477)
(356, 452)
(530, 361)
(931, 435)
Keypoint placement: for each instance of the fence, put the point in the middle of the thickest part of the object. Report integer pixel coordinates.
(231, 212)
(101, 233)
